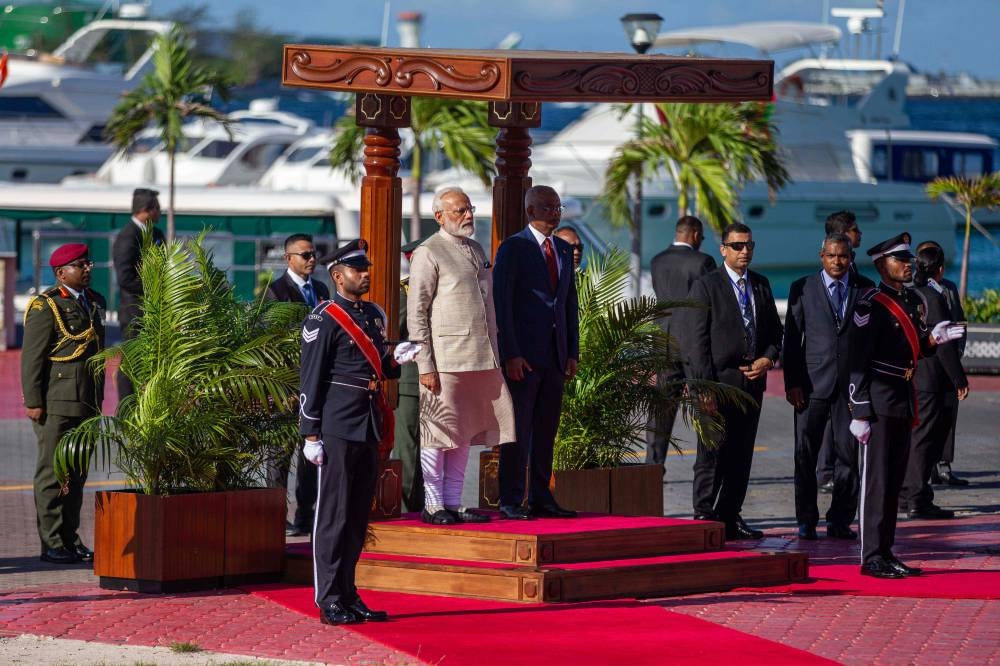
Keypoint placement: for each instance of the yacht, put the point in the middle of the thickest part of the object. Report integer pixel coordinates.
(210, 155)
(845, 137)
(305, 166)
(53, 107)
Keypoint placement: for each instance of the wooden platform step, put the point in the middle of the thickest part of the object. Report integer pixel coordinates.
(537, 543)
(663, 575)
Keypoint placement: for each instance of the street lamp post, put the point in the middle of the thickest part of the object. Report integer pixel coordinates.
(641, 30)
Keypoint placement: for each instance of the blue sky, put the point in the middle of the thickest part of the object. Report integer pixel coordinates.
(954, 36)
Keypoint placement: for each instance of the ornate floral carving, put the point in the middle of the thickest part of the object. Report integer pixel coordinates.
(345, 70)
(643, 80)
(446, 75)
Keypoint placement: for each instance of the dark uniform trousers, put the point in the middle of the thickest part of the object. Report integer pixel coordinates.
(346, 486)
(937, 414)
(883, 466)
(724, 472)
(57, 514)
(811, 426)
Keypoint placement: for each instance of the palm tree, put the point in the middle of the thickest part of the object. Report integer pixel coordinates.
(622, 348)
(458, 128)
(216, 380)
(173, 92)
(709, 151)
(971, 193)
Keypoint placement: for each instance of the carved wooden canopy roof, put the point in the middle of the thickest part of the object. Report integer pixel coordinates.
(527, 76)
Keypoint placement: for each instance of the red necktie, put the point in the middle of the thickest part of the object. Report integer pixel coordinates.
(550, 261)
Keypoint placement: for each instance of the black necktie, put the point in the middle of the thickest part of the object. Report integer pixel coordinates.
(748, 323)
(83, 301)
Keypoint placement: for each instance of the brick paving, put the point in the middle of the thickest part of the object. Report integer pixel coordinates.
(66, 602)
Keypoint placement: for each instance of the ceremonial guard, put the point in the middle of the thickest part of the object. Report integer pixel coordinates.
(63, 329)
(344, 417)
(887, 338)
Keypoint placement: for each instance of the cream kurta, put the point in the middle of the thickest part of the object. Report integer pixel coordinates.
(450, 310)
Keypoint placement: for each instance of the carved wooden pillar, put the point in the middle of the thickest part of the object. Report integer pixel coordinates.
(513, 163)
(381, 225)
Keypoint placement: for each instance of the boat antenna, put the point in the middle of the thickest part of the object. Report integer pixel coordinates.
(898, 37)
(385, 24)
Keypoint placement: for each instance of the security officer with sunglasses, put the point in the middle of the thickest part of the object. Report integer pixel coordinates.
(63, 329)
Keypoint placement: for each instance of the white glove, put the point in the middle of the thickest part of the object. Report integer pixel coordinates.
(406, 352)
(314, 453)
(947, 331)
(862, 430)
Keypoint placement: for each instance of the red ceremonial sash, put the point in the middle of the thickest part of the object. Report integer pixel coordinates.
(367, 348)
(910, 332)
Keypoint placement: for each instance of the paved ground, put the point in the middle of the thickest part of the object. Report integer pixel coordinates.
(40, 600)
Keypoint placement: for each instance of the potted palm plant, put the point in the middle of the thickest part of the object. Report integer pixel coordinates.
(215, 380)
(606, 405)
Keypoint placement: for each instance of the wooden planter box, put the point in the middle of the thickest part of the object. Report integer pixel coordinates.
(629, 490)
(149, 543)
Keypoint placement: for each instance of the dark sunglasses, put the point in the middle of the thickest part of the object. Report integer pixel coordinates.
(739, 246)
(305, 255)
(576, 246)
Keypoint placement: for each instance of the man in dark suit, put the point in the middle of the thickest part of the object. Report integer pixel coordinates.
(406, 445)
(734, 340)
(125, 254)
(344, 418)
(673, 271)
(846, 223)
(297, 286)
(539, 340)
(814, 357)
(63, 330)
(941, 384)
(942, 472)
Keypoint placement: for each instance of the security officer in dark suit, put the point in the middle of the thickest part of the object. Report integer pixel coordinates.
(296, 285)
(63, 329)
(125, 254)
(887, 338)
(407, 440)
(342, 416)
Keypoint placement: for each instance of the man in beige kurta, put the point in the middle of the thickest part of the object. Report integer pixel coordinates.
(463, 397)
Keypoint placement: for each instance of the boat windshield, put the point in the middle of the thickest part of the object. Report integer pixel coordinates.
(304, 154)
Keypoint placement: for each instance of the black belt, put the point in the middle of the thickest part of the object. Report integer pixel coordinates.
(360, 383)
(892, 370)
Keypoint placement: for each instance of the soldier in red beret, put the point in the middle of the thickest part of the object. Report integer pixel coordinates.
(63, 329)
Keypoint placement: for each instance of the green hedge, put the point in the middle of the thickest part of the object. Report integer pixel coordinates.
(984, 309)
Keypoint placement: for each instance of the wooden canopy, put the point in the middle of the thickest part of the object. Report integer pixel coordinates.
(514, 83)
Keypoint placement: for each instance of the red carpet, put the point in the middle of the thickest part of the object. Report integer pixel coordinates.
(933, 584)
(444, 630)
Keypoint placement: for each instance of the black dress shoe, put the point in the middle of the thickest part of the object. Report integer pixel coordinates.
(807, 532)
(902, 568)
(468, 516)
(738, 529)
(879, 568)
(835, 531)
(949, 478)
(337, 613)
(551, 511)
(511, 512)
(439, 517)
(826, 488)
(705, 516)
(931, 512)
(293, 531)
(367, 614)
(83, 553)
(60, 555)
